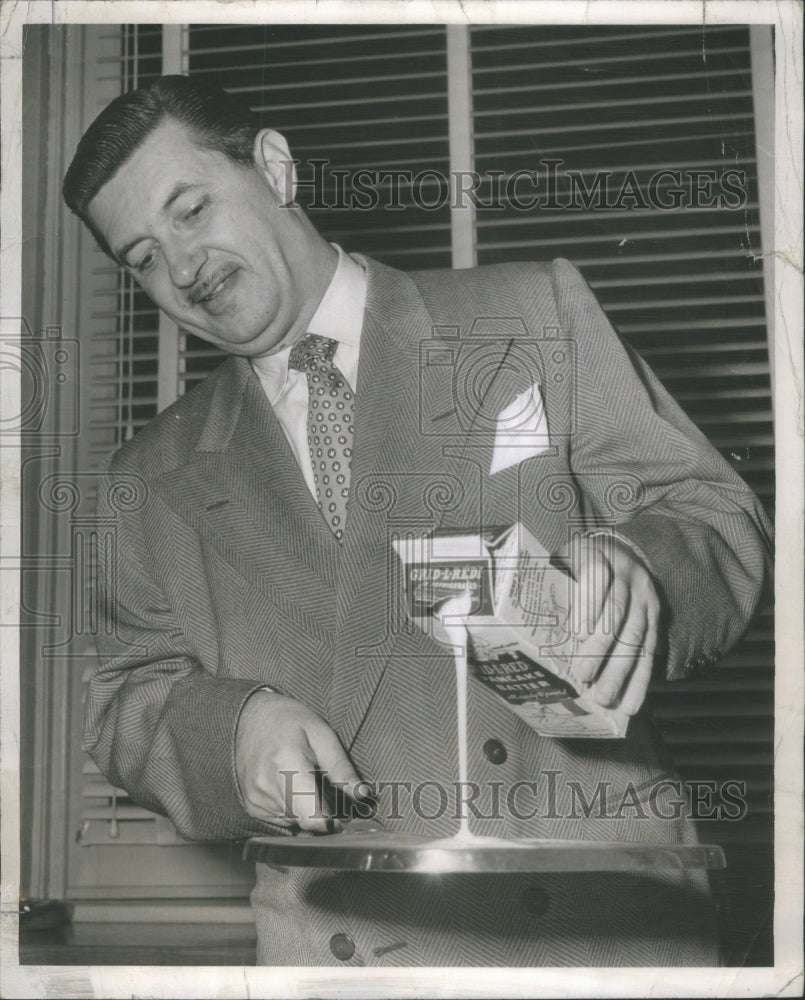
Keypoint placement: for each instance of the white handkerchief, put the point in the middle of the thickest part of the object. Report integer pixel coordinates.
(522, 430)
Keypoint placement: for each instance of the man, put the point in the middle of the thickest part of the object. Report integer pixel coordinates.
(258, 656)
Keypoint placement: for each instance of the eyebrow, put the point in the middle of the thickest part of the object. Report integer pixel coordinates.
(182, 187)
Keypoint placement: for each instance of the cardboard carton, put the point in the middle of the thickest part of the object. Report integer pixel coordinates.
(519, 641)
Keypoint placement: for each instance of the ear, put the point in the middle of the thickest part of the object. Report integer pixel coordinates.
(273, 159)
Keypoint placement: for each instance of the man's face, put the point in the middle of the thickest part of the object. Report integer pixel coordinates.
(210, 242)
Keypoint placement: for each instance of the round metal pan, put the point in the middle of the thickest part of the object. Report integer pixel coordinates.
(392, 852)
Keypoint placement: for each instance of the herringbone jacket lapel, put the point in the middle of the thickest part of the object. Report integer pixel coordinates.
(242, 491)
(395, 322)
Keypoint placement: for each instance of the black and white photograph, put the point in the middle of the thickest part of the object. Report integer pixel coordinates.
(402, 465)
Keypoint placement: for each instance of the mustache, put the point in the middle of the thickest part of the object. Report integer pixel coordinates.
(202, 289)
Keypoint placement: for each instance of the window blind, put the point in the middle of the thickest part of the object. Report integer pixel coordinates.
(122, 321)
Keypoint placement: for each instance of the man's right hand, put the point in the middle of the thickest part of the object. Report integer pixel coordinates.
(279, 746)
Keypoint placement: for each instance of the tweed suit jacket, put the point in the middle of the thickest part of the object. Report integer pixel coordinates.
(223, 577)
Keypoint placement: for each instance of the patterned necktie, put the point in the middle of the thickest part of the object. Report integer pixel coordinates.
(330, 417)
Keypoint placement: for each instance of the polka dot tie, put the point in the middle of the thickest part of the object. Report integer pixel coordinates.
(330, 416)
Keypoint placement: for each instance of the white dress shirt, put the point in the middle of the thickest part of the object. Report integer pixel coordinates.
(339, 317)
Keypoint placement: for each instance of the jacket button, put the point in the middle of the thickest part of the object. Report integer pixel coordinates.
(342, 946)
(495, 752)
(534, 900)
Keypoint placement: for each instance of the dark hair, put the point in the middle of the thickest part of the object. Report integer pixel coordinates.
(218, 121)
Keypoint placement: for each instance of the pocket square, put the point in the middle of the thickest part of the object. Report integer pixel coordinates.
(522, 430)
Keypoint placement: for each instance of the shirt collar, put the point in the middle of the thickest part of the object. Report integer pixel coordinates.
(339, 316)
(340, 312)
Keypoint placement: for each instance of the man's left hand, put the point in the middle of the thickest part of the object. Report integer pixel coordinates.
(615, 612)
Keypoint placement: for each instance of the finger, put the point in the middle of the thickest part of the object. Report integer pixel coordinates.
(637, 687)
(623, 656)
(594, 651)
(332, 760)
(341, 777)
(588, 588)
(587, 594)
(302, 794)
(617, 598)
(267, 795)
(266, 813)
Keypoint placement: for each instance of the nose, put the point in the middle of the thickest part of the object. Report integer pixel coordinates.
(184, 263)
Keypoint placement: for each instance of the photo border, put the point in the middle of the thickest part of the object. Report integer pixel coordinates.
(785, 978)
